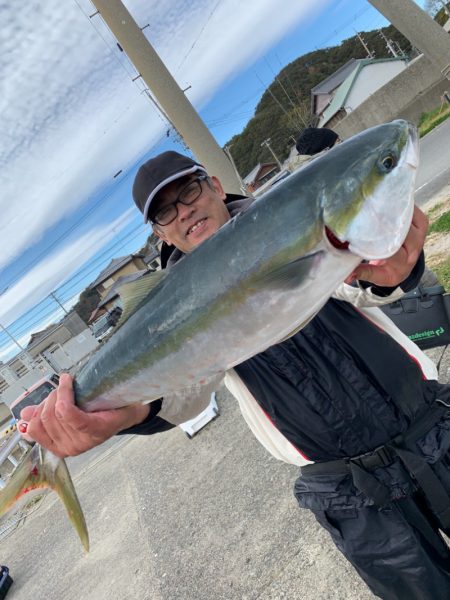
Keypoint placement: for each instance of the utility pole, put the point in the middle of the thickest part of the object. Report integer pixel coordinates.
(24, 352)
(366, 47)
(420, 29)
(177, 107)
(389, 44)
(266, 143)
(11, 337)
(227, 150)
(447, 12)
(53, 295)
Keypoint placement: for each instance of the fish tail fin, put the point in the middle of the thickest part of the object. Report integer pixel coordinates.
(41, 469)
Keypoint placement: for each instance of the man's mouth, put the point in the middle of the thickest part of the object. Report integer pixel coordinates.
(195, 226)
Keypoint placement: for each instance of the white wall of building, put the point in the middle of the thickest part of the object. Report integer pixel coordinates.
(80, 346)
(370, 79)
(56, 358)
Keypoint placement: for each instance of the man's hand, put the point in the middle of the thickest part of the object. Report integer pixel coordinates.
(390, 272)
(58, 425)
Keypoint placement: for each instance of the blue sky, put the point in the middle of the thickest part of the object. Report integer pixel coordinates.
(71, 118)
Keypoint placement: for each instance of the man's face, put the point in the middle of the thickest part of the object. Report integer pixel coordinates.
(196, 222)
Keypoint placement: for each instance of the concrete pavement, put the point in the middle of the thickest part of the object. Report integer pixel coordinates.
(170, 518)
(212, 518)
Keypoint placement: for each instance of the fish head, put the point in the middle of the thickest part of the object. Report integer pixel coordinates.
(368, 200)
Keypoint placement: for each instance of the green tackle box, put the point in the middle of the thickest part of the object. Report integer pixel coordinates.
(423, 315)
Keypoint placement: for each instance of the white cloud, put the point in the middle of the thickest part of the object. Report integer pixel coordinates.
(71, 116)
(57, 268)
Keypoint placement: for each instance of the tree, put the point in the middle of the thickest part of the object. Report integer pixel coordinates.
(87, 303)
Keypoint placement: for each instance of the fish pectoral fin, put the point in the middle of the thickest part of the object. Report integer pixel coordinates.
(134, 292)
(40, 469)
(187, 403)
(291, 274)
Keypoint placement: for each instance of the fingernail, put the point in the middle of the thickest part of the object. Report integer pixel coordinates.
(23, 426)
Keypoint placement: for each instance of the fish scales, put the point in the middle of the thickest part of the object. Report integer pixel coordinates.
(263, 274)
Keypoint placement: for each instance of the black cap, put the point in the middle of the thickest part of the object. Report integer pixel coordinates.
(158, 172)
(313, 140)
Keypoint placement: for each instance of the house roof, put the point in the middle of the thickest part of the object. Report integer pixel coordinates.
(346, 86)
(253, 175)
(113, 267)
(114, 290)
(332, 81)
(40, 335)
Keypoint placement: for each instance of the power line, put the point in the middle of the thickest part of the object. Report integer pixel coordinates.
(344, 26)
(273, 95)
(62, 236)
(199, 35)
(135, 76)
(64, 289)
(32, 320)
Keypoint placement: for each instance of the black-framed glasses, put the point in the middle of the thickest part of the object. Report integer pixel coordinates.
(188, 195)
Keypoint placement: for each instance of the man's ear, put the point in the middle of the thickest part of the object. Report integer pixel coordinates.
(160, 233)
(215, 182)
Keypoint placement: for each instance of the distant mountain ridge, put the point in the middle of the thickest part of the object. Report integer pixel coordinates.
(285, 107)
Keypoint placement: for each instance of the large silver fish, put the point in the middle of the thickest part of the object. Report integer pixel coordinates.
(261, 277)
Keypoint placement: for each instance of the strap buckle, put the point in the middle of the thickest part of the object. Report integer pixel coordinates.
(380, 457)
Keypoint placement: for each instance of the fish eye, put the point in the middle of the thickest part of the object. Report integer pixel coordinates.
(388, 162)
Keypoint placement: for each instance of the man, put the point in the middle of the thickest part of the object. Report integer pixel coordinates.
(358, 410)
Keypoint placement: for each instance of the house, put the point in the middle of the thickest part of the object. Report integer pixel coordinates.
(322, 94)
(152, 256)
(332, 100)
(119, 271)
(58, 347)
(112, 299)
(259, 175)
(125, 265)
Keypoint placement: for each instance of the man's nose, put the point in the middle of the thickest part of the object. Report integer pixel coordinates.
(185, 210)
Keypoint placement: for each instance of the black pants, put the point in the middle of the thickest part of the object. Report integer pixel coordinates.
(385, 545)
(390, 555)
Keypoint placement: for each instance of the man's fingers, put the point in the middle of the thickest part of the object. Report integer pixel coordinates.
(415, 238)
(420, 220)
(59, 425)
(27, 413)
(36, 431)
(65, 401)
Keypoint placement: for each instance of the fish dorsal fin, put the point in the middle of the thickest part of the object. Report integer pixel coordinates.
(134, 292)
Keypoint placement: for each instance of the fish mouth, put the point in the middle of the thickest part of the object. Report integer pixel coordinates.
(335, 241)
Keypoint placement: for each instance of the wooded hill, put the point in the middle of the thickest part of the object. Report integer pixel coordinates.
(285, 107)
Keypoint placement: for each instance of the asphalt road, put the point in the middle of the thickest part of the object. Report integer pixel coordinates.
(212, 518)
(434, 167)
